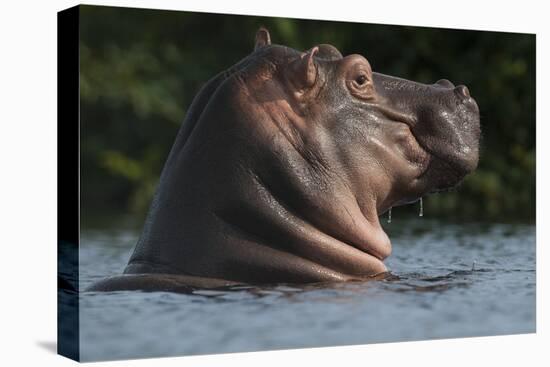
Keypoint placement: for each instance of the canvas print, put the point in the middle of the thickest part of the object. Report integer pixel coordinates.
(240, 183)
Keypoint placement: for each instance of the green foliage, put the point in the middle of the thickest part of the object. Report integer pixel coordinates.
(140, 70)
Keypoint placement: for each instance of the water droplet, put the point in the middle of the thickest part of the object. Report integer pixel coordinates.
(389, 216)
(421, 213)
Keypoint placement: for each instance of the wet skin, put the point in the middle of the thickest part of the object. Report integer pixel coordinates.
(285, 162)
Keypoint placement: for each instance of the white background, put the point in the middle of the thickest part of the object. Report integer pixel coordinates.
(28, 181)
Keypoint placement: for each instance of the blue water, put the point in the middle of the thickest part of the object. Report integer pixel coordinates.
(449, 280)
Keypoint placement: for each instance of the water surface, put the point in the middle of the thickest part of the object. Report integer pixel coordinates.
(449, 280)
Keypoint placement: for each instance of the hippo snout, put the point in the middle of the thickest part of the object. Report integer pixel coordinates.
(449, 129)
(444, 120)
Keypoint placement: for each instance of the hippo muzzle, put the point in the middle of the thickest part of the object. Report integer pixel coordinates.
(443, 118)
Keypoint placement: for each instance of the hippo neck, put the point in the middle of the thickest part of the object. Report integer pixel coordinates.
(300, 210)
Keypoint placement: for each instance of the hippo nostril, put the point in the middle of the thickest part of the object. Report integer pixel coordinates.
(445, 83)
(463, 90)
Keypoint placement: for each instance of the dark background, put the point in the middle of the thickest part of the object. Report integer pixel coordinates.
(140, 69)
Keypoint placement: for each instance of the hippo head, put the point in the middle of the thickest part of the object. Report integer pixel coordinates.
(287, 159)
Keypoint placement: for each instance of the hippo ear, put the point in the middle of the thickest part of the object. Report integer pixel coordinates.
(329, 52)
(262, 38)
(303, 70)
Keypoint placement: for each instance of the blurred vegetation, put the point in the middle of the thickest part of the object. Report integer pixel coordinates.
(140, 70)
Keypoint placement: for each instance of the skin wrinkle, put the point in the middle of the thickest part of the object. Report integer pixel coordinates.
(284, 119)
(257, 240)
(381, 165)
(309, 229)
(269, 259)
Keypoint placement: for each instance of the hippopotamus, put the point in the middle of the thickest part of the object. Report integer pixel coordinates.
(283, 165)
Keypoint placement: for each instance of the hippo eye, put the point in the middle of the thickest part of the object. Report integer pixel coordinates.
(361, 79)
(360, 85)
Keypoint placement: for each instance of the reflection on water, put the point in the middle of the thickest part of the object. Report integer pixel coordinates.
(447, 280)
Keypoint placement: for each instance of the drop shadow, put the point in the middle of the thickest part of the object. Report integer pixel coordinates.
(49, 345)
